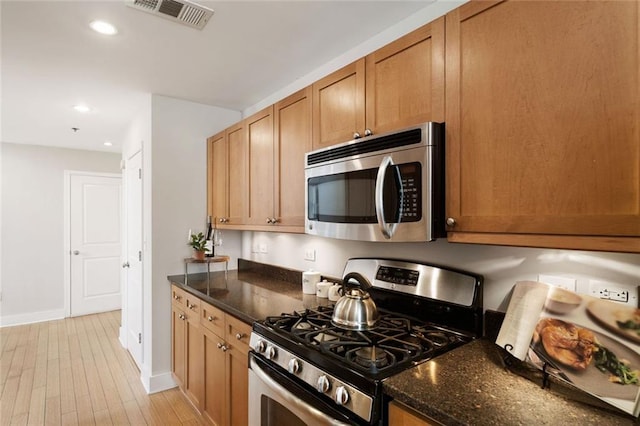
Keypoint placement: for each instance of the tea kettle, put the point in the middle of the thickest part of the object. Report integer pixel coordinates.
(355, 310)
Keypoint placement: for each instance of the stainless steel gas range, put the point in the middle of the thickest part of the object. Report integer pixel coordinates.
(307, 369)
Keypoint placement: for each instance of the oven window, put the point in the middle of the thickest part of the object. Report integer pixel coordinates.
(350, 197)
(272, 413)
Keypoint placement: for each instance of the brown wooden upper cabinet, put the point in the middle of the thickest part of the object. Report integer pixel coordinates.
(261, 166)
(396, 86)
(217, 179)
(228, 185)
(292, 135)
(542, 124)
(278, 137)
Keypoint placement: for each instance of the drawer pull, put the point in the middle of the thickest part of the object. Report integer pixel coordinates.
(210, 318)
(239, 336)
(175, 296)
(190, 305)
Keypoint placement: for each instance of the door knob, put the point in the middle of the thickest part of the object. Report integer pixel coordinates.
(125, 265)
(76, 252)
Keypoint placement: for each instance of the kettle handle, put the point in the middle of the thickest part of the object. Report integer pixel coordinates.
(364, 283)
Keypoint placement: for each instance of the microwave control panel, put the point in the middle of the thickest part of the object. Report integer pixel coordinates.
(411, 178)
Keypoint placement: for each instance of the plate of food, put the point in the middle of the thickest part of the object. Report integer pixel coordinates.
(619, 319)
(590, 360)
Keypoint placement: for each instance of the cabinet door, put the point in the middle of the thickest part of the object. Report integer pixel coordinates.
(217, 180)
(178, 353)
(542, 124)
(399, 415)
(260, 136)
(238, 173)
(292, 129)
(238, 386)
(405, 80)
(194, 382)
(338, 105)
(215, 396)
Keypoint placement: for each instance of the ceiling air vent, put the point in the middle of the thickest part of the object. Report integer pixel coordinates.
(182, 11)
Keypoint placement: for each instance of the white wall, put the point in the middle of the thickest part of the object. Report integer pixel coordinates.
(500, 266)
(32, 265)
(174, 186)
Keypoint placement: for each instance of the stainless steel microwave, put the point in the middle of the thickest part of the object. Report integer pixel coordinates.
(387, 187)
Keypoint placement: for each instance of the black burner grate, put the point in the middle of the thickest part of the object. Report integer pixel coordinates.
(395, 343)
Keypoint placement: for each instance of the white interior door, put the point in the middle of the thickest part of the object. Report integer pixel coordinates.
(95, 243)
(133, 258)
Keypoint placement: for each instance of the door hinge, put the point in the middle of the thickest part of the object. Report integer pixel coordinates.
(140, 256)
(139, 173)
(139, 338)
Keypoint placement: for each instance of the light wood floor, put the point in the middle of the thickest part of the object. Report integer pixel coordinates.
(75, 372)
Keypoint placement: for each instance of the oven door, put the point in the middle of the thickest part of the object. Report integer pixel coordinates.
(275, 400)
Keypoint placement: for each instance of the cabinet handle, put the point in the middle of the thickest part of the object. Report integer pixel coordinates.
(182, 317)
(451, 222)
(368, 132)
(239, 336)
(223, 220)
(269, 220)
(210, 318)
(272, 220)
(356, 135)
(223, 347)
(190, 305)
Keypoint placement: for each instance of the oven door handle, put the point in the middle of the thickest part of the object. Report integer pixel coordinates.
(387, 229)
(311, 413)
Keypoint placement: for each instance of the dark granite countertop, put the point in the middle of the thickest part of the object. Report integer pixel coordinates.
(471, 386)
(249, 296)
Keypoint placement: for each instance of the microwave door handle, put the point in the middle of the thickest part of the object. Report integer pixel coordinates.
(387, 228)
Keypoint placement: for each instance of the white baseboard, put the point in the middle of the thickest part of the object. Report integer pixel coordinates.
(158, 383)
(122, 337)
(32, 317)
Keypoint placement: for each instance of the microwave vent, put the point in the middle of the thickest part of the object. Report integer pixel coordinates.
(181, 11)
(396, 140)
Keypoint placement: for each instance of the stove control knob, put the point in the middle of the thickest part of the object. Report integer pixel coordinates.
(271, 352)
(323, 385)
(261, 346)
(294, 366)
(342, 395)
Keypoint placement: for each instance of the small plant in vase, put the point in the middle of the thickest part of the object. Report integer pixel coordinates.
(197, 243)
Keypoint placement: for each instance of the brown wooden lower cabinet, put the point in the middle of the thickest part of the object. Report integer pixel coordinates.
(400, 415)
(209, 359)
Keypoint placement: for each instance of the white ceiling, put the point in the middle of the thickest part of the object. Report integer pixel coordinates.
(51, 60)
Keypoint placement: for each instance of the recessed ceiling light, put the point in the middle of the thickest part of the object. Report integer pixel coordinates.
(103, 27)
(107, 143)
(81, 108)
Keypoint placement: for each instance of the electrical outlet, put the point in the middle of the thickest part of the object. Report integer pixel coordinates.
(627, 294)
(310, 254)
(562, 282)
(263, 248)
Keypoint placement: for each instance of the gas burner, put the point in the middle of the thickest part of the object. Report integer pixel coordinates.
(372, 356)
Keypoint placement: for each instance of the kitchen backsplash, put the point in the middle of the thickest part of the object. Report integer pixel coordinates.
(501, 266)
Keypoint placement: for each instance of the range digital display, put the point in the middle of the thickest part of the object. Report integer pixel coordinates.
(398, 275)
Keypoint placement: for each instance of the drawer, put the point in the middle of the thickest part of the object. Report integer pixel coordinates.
(238, 334)
(178, 296)
(192, 305)
(212, 318)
